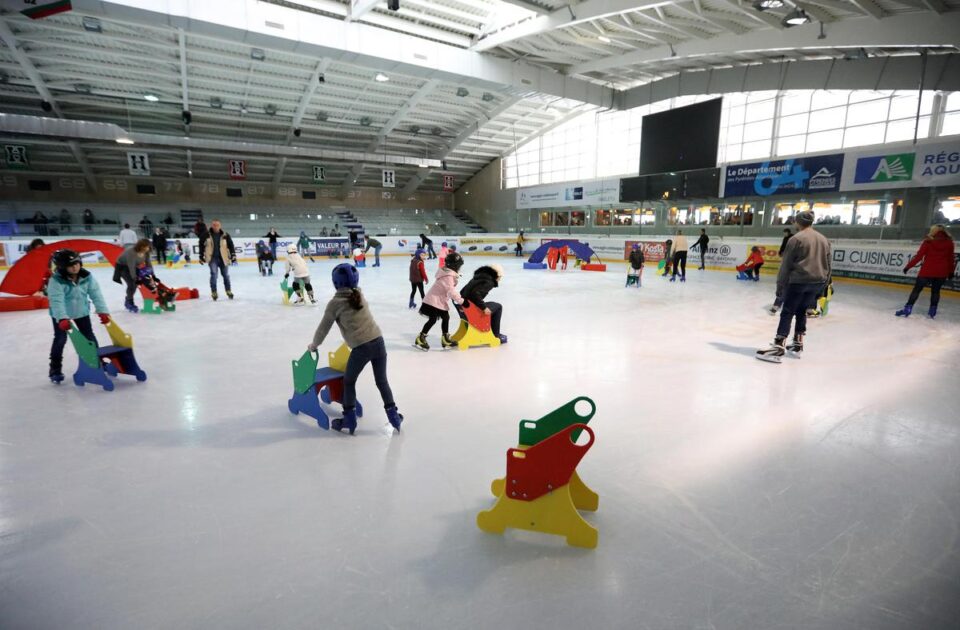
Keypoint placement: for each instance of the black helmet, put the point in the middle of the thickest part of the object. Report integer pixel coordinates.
(63, 258)
(453, 261)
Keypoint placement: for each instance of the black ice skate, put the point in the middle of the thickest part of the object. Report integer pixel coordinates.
(421, 342)
(773, 354)
(795, 347)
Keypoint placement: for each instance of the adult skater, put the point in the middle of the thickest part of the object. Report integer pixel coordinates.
(376, 245)
(783, 244)
(484, 280)
(127, 237)
(350, 311)
(126, 270)
(200, 229)
(159, 242)
(679, 257)
(427, 245)
(71, 289)
(272, 237)
(937, 264)
(217, 251)
(803, 272)
(702, 244)
(518, 252)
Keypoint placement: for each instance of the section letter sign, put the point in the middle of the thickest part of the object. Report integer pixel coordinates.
(389, 178)
(319, 174)
(237, 169)
(138, 164)
(16, 156)
(447, 183)
(815, 173)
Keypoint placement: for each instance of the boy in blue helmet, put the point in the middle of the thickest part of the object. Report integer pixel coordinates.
(352, 314)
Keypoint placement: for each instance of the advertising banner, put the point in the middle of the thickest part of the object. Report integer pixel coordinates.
(484, 244)
(653, 251)
(903, 166)
(592, 193)
(794, 176)
(879, 262)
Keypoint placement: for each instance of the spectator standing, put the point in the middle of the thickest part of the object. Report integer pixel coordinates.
(200, 229)
(703, 244)
(145, 226)
(804, 271)
(128, 238)
(217, 251)
(160, 246)
(88, 219)
(783, 244)
(65, 220)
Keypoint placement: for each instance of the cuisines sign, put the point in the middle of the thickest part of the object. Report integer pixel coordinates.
(817, 173)
(929, 164)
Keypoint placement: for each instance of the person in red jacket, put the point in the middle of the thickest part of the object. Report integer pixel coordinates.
(937, 263)
(418, 275)
(750, 268)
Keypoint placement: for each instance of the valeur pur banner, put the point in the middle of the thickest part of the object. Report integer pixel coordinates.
(810, 174)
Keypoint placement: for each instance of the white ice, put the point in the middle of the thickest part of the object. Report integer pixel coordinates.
(822, 493)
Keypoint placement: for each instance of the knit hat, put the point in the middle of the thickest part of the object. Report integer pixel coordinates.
(345, 276)
(291, 249)
(635, 246)
(805, 218)
(417, 253)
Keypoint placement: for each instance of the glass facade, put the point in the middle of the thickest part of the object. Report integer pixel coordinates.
(753, 125)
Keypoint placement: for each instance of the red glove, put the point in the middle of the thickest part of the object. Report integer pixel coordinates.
(64, 325)
(104, 318)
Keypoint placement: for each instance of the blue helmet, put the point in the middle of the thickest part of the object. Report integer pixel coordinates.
(635, 247)
(419, 251)
(345, 276)
(443, 244)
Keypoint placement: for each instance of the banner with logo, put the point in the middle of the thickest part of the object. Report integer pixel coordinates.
(794, 176)
(883, 262)
(237, 169)
(592, 193)
(903, 166)
(16, 156)
(138, 164)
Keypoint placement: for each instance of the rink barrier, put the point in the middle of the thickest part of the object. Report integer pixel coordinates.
(542, 491)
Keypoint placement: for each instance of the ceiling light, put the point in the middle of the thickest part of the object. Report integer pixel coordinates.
(365, 121)
(437, 131)
(187, 117)
(46, 106)
(414, 128)
(243, 109)
(604, 39)
(296, 132)
(82, 88)
(796, 18)
(766, 5)
(216, 102)
(257, 54)
(487, 97)
(321, 78)
(381, 77)
(153, 98)
(92, 25)
(270, 109)
(322, 116)
(124, 141)
(462, 91)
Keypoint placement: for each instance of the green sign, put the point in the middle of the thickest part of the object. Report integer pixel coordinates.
(897, 167)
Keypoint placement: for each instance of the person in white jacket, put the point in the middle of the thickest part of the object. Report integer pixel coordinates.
(436, 304)
(301, 274)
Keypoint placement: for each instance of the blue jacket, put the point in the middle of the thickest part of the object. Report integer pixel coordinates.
(69, 299)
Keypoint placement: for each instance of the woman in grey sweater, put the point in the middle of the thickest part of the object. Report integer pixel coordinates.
(352, 314)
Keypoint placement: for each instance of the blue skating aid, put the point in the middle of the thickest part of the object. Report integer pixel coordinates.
(96, 365)
(326, 384)
(537, 265)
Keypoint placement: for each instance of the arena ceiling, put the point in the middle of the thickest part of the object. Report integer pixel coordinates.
(440, 86)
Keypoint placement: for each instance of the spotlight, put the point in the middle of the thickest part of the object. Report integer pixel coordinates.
(46, 106)
(321, 79)
(257, 54)
(796, 17)
(765, 5)
(216, 102)
(487, 97)
(92, 25)
(187, 117)
(365, 121)
(322, 116)
(462, 91)
(296, 132)
(153, 98)
(381, 77)
(393, 5)
(270, 109)
(604, 39)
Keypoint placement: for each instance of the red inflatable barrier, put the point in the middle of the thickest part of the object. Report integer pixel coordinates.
(23, 303)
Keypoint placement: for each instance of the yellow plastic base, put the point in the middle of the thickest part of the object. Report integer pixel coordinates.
(583, 497)
(553, 513)
(175, 265)
(469, 337)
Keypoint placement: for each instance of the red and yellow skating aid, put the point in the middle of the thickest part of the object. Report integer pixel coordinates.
(475, 330)
(536, 494)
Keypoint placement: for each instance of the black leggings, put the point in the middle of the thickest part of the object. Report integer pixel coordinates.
(433, 314)
(413, 289)
(60, 340)
(375, 353)
(496, 312)
(934, 283)
(680, 259)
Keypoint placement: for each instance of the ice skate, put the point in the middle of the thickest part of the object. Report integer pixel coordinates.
(56, 375)
(412, 304)
(774, 353)
(447, 342)
(421, 342)
(313, 300)
(214, 295)
(394, 417)
(772, 310)
(673, 278)
(683, 278)
(229, 294)
(795, 347)
(130, 306)
(932, 313)
(502, 338)
(348, 421)
(905, 311)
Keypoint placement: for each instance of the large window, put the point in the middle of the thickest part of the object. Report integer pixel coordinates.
(753, 126)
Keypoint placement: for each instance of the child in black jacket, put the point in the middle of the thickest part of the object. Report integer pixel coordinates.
(484, 280)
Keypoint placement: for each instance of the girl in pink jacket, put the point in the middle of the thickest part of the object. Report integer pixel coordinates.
(436, 303)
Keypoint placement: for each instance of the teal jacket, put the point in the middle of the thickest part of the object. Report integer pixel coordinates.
(68, 299)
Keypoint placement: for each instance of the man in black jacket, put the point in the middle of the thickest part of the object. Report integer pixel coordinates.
(484, 280)
(427, 245)
(702, 243)
(159, 242)
(783, 245)
(271, 237)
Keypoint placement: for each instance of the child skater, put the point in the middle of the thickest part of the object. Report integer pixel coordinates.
(418, 275)
(146, 277)
(436, 303)
(301, 274)
(70, 290)
(484, 280)
(352, 314)
(264, 258)
(750, 268)
(636, 265)
(442, 256)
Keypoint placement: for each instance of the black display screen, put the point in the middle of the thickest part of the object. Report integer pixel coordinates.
(681, 139)
(702, 184)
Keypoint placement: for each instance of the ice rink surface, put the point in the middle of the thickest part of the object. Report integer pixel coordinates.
(823, 493)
